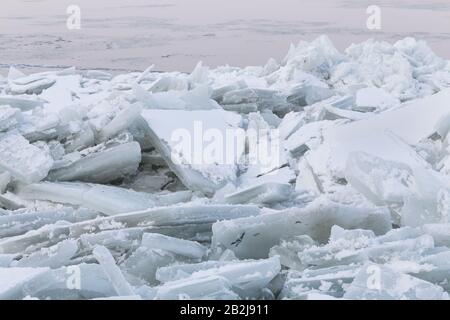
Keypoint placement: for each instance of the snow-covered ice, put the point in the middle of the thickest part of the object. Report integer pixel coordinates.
(337, 185)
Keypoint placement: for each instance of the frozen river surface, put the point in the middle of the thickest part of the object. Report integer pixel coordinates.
(175, 34)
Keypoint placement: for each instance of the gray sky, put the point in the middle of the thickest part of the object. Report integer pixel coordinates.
(175, 34)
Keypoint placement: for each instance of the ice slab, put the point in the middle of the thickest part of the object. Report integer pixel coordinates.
(374, 135)
(115, 276)
(21, 221)
(248, 278)
(265, 193)
(181, 143)
(22, 160)
(5, 179)
(253, 237)
(373, 97)
(181, 247)
(102, 166)
(209, 287)
(144, 262)
(106, 199)
(379, 282)
(124, 119)
(53, 257)
(12, 281)
(9, 117)
(307, 95)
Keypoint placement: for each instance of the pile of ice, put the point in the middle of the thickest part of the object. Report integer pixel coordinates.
(98, 200)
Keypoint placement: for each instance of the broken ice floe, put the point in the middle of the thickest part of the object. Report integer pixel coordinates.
(323, 176)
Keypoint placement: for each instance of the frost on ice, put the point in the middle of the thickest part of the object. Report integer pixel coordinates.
(123, 186)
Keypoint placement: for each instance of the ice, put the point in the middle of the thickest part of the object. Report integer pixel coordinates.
(115, 276)
(307, 95)
(122, 186)
(181, 247)
(101, 166)
(12, 281)
(247, 277)
(79, 281)
(9, 118)
(288, 251)
(382, 182)
(122, 121)
(208, 177)
(374, 135)
(54, 257)
(440, 233)
(253, 237)
(391, 285)
(329, 281)
(21, 221)
(144, 262)
(30, 86)
(106, 199)
(209, 287)
(22, 160)
(374, 98)
(6, 259)
(307, 181)
(256, 99)
(22, 102)
(266, 193)
(5, 179)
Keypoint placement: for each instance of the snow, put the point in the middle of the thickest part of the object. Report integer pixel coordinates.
(340, 165)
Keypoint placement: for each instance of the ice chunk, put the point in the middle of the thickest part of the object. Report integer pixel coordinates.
(22, 160)
(112, 271)
(9, 117)
(288, 251)
(373, 97)
(103, 166)
(181, 247)
(144, 262)
(179, 271)
(80, 140)
(306, 137)
(429, 203)
(307, 95)
(375, 135)
(80, 281)
(22, 221)
(380, 181)
(12, 281)
(5, 179)
(106, 199)
(265, 193)
(54, 257)
(307, 181)
(6, 259)
(436, 269)
(246, 277)
(30, 86)
(121, 121)
(440, 233)
(380, 282)
(23, 103)
(181, 144)
(8, 203)
(329, 281)
(253, 237)
(123, 239)
(263, 99)
(209, 287)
